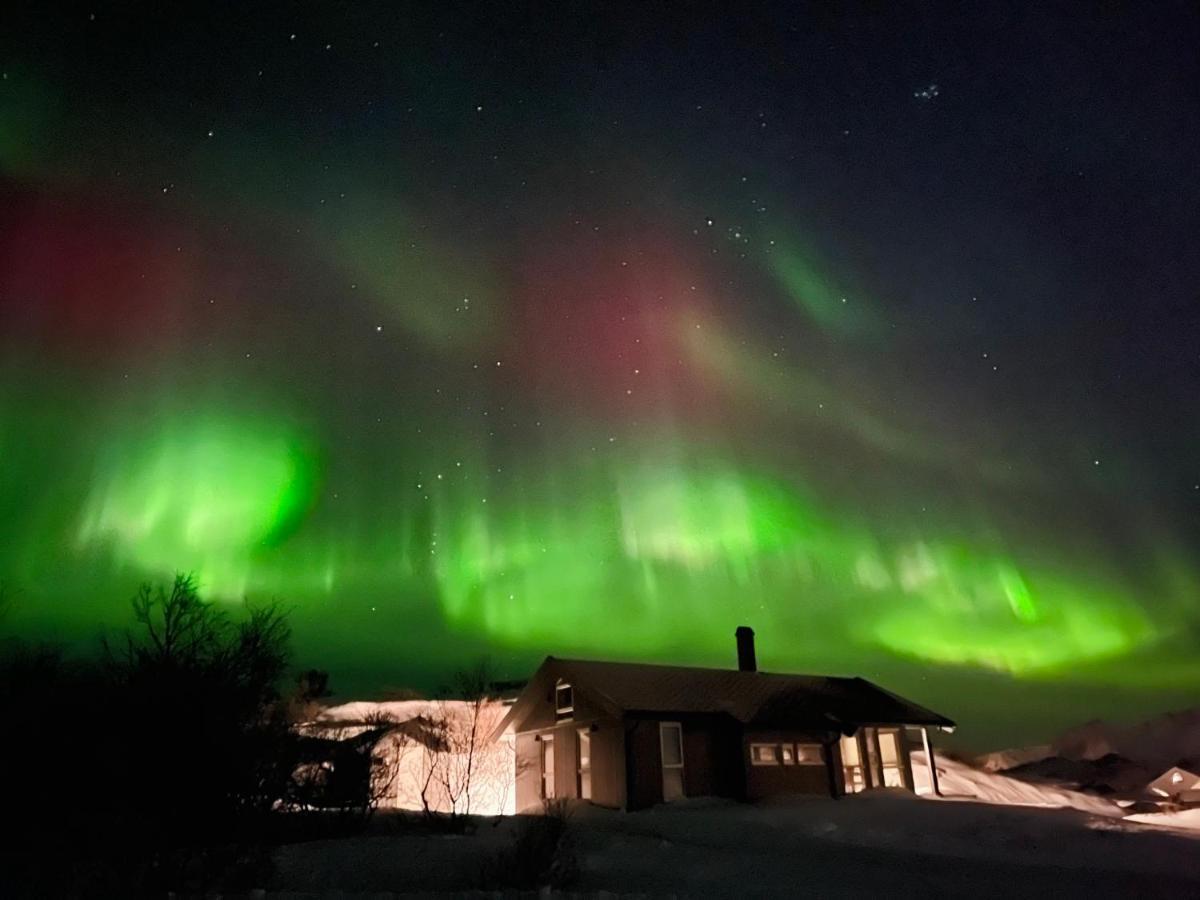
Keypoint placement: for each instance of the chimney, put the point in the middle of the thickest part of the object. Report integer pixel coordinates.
(745, 648)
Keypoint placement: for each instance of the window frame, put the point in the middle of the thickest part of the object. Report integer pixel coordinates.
(891, 771)
(772, 746)
(820, 757)
(663, 727)
(548, 788)
(564, 713)
(583, 763)
(855, 777)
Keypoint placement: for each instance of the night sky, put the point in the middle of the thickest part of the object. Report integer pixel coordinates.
(603, 330)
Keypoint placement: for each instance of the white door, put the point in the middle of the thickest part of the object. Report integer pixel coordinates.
(670, 737)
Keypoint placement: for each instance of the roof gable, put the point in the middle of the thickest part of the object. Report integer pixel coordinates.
(1175, 780)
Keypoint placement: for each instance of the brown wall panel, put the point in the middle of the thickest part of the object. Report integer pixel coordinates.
(768, 781)
(608, 764)
(644, 766)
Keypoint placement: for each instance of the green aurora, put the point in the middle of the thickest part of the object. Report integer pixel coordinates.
(461, 389)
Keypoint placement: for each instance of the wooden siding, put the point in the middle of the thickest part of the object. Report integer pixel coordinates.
(608, 764)
(529, 773)
(768, 781)
(712, 757)
(643, 769)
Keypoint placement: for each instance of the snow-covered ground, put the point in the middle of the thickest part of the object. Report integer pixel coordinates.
(1188, 819)
(957, 780)
(990, 836)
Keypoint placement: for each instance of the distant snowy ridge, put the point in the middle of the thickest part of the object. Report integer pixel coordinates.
(1160, 742)
(999, 760)
(1157, 743)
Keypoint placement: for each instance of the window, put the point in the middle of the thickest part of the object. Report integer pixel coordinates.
(786, 754)
(547, 766)
(764, 754)
(564, 701)
(852, 767)
(583, 764)
(889, 756)
(670, 738)
(809, 755)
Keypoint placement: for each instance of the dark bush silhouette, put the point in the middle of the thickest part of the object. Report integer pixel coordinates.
(201, 690)
(154, 766)
(541, 854)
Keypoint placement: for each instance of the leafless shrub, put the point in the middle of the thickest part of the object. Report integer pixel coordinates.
(541, 853)
(464, 768)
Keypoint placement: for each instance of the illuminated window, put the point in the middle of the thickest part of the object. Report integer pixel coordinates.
(852, 767)
(583, 764)
(764, 754)
(547, 766)
(564, 701)
(889, 756)
(809, 755)
(670, 736)
(787, 753)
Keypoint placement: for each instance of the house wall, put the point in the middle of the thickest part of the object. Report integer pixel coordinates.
(607, 763)
(711, 764)
(529, 773)
(542, 715)
(643, 764)
(771, 780)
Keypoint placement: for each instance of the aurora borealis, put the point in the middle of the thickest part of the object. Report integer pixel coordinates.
(601, 332)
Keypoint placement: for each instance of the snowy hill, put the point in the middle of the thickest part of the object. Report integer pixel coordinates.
(999, 760)
(1159, 742)
(958, 780)
(1105, 757)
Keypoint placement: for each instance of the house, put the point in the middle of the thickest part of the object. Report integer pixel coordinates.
(1176, 784)
(629, 735)
(433, 755)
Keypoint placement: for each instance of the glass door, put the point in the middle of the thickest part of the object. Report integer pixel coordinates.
(889, 756)
(852, 765)
(547, 766)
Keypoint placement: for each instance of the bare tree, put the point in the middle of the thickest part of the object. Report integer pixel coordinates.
(461, 759)
(191, 678)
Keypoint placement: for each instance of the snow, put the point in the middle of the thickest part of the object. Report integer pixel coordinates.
(466, 771)
(1159, 742)
(999, 760)
(389, 710)
(885, 841)
(1184, 818)
(958, 780)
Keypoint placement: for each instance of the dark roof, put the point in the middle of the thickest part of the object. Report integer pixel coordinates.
(764, 699)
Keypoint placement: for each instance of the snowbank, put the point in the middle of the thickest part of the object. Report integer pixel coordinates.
(960, 781)
(1185, 818)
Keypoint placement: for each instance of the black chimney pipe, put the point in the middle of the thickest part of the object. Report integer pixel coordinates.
(745, 648)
